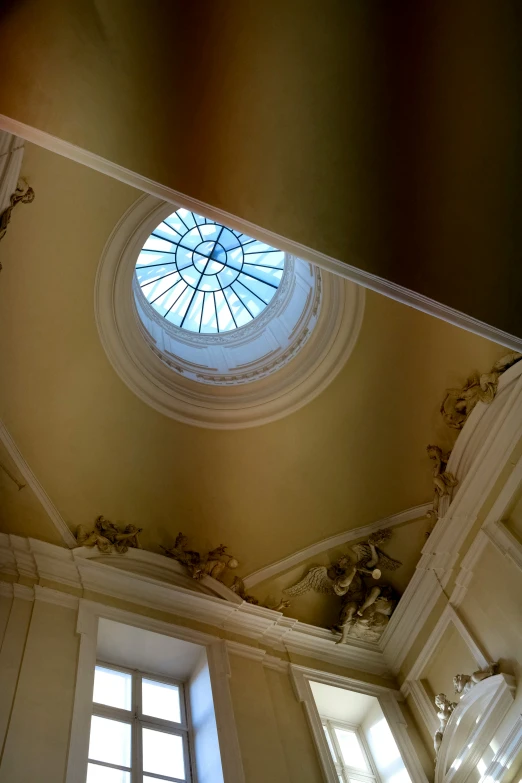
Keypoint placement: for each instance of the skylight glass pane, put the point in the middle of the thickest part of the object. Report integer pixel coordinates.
(163, 754)
(209, 258)
(350, 748)
(112, 688)
(99, 774)
(160, 700)
(110, 741)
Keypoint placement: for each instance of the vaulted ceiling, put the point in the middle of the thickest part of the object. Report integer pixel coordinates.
(386, 135)
(354, 455)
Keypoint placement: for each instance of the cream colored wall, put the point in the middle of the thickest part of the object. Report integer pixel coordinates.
(303, 118)
(276, 743)
(451, 656)
(38, 659)
(355, 454)
(40, 676)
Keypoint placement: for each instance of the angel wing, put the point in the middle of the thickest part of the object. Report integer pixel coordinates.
(316, 579)
(361, 551)
(385, 562)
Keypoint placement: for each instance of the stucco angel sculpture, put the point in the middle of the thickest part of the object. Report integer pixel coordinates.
(444, 709)
(463, 683)
(365, 610)
(458, 403)
(443, 481)
(109, 537)
(215, 563)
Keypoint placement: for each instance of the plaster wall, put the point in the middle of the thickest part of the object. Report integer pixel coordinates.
(38, 662)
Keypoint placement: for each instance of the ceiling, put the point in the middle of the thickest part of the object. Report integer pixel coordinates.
(385, 135)
(355, 454)
(340, 704)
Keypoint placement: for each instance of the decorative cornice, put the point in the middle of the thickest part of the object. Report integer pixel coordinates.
(333, 541)
(236, 404)
(84, 570)
(351, 269)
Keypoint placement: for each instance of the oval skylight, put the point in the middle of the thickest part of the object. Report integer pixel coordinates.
(205, 277)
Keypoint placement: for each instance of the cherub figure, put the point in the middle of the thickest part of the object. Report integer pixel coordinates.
(443, 481)
(199, 565)
(345, 578)
(108, 537)
(444, 709)
(463, 683)
(458, 403)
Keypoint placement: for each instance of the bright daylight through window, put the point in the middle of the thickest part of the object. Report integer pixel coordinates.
(205, 277)
(139, 731)
(351, 759)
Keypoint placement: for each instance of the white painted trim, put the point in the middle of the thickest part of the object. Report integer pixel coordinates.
(286, 563)
(145, 369)
(505, 542)
(37, 488)
(89, 615)
(489, 701)
(38, 560)
(350, 271)
(387, 698)
(414, 686)
(501, 762)
(483, 450)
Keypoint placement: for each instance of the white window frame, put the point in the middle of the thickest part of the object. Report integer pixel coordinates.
(345, 771)
(89, 614)
(138, 720)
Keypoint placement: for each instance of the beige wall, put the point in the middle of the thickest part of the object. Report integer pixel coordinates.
(38, 660)
(385, 139)
(276, 743)
(40, 678)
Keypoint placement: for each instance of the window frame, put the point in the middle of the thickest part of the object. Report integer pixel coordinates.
(344, 771)
(138, 720)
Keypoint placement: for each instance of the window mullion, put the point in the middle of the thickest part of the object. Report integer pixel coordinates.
(137, 769)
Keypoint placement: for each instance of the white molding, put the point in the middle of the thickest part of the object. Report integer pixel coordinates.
(51, 596)
(488, 702)
(32, 481)
(413, 685)
(81, 569)
(417, 602)
(23, 592)
(506, 543)
(350, 271)
(387, 698)
(178, 396)
(6, 590)
(89, 615)
(505, 755)
(483, 450)
(286, 563)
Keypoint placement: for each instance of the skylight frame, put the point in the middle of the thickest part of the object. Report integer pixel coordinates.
(205, 277)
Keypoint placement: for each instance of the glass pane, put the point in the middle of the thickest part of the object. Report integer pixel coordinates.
(110, 741)
(147, 779)
(350, 748)
(160, 700)
(330, 743)
(112, 688)
(163, 754)
(97, 774)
